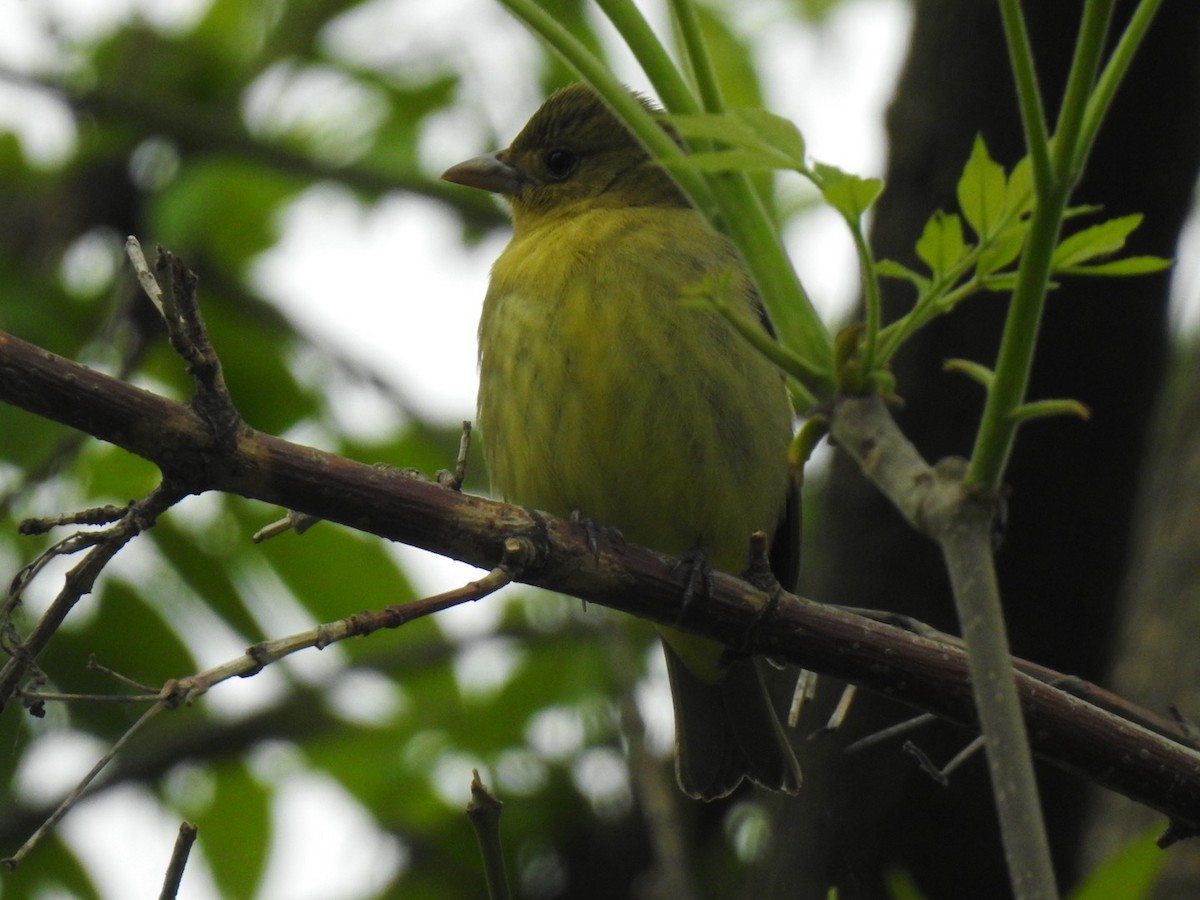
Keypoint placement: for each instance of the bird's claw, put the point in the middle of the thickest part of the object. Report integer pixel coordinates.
(594, 531)
(698, 580)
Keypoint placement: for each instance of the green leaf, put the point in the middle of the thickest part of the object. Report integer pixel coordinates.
(1018, 193)
(732, 56)
(851, 195)
(65, 872)
(1003, 284)
(726, 161)
(771, 136)
(1130, 873)
(982, 190)
(941, 243)
(1043, 409)
(334, 571)
(222, 209)
(1084, 209)
(1098, 240)
(1130, 265)
(1003, 249)
(973, 370)
(721, 127)
(235, 830)
(889, 268)
(776, 132)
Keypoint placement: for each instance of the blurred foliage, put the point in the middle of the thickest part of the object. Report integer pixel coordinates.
(197, 137)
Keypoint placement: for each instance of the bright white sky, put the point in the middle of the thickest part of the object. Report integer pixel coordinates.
(337, 253)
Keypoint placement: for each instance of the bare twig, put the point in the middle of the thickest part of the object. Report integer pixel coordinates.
(890, 732)
(294, 521)
(179, 857)
(95, 515)
(454, 479)
(76, 795)
(180, 691)
(105, 545)
(483, 812)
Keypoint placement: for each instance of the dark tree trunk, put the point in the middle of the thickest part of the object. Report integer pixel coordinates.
(1065, 551)
(1155, 660)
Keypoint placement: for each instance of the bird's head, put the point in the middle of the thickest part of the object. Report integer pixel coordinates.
(573, 151)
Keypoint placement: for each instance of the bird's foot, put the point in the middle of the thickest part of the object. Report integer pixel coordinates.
(698, 579)
(594, 531)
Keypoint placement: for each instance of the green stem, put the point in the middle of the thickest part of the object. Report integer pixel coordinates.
(1033, 115)
(1112, 76)
(483, 812)
(1097, 14)
(652, 56)
(1053, 184)
(1057, 165)
(742, 213)
(997, 428)
(697, 54)
(937, 299)
(872, 302)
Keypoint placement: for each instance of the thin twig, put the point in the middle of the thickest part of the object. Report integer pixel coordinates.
(294, 521)
(884, 734)
(94, 665)
(80, 789)
(179, 691)
(483, 812)
(264, 653)
(454, 479)
(179, 857)
(104, 544)
(93, 515)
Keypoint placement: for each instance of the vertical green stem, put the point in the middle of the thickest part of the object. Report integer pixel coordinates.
(1112, 76)
(652, 56)
(1089, 47)
(684, 12)
(1029, 95)
(1054, 177)
(998, 427)
(742, 213)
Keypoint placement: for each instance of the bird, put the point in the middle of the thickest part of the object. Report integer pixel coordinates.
(602, 394)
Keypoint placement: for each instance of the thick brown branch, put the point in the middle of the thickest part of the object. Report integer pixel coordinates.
(919, 671)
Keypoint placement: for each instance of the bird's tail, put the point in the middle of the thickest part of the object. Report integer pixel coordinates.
(727, 730)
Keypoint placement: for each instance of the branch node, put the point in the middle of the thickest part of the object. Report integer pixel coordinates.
(178, 305)
(520, 554)
(294, 521)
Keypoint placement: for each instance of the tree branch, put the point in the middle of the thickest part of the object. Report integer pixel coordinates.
(923, 672)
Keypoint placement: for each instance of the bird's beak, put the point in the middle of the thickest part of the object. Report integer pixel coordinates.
(488, 173)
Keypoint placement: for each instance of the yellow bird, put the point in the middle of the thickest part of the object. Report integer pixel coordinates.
(600, 392)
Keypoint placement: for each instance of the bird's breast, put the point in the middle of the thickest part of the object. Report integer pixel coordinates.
(601, 392)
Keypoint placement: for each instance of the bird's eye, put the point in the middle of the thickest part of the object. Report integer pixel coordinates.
(560, 163)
